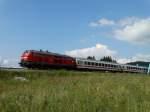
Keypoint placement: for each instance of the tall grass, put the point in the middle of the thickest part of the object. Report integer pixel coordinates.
(72, 91)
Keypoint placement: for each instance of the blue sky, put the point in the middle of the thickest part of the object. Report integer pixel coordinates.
(64, 26)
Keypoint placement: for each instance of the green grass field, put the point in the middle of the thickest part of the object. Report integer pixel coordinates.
(73, 91)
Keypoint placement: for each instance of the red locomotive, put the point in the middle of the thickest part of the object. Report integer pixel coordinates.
(45, 59)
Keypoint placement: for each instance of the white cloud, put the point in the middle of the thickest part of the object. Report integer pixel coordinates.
(127, 21)
(142, 57)
(98, 51)
(102, 22)
(102, 50)
(9, 63)
(130, 29)
(119, 23)
(138, 57)
(137, 32)
(124, 60)
(93, 24)
(105, 21)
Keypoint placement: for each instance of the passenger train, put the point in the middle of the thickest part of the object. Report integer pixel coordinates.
(45, 60)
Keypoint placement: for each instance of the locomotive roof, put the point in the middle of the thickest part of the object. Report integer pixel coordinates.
(49, 53)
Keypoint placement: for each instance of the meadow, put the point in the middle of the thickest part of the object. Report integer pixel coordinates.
(73, 91)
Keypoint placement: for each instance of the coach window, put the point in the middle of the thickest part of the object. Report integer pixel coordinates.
(96, 64)
(112, 66)
(78, 62)
(85, 63)
(99, 64)
(116, 66)
(92, 63)
(81, 62)
(143, 69)
(102, 64)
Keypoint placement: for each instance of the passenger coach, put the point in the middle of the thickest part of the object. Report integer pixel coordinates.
(106, 66)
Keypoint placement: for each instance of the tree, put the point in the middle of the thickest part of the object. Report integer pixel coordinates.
(108, 59)
(91, 58)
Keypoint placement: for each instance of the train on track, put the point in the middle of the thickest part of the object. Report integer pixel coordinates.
(46, 60)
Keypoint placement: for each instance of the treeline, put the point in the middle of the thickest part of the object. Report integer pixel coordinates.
(105, 58)
(110, 59)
